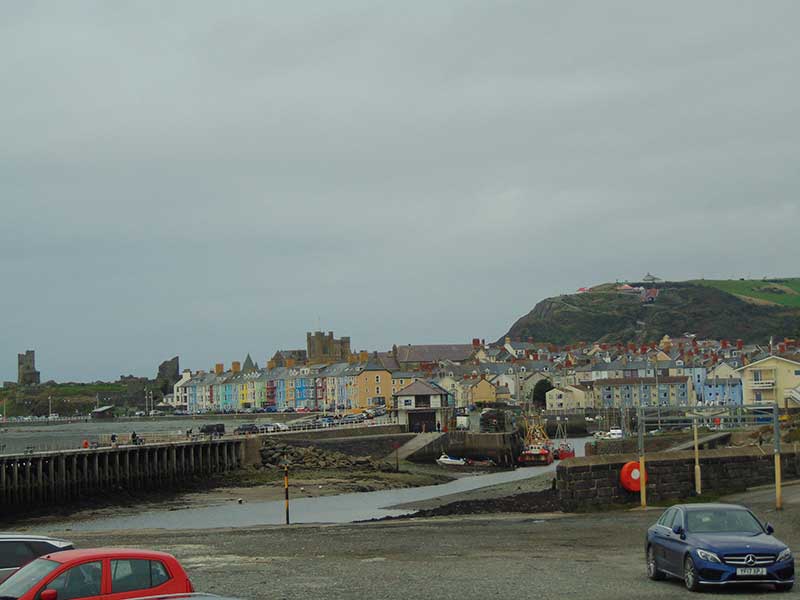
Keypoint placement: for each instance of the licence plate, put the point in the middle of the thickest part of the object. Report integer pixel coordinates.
(751, 571)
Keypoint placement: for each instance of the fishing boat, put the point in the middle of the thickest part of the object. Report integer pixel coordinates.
(450, 461)
(536, 449)
(563, 449)
(535, 455)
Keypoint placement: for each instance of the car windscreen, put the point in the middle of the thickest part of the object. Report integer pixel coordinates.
(721, 520)
(27, 577)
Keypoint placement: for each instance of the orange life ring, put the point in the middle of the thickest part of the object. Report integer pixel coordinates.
(630, 476)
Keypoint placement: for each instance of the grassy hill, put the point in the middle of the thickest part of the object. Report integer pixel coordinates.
(67, 398)
(704, 308)
(780, 291)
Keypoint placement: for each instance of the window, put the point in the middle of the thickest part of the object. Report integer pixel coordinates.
(408, 402)
(377, 390)
(666, 517)
(14, 554)
(81, 581)
(377, 378)
(136, 574)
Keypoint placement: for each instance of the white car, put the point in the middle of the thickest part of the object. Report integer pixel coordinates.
(615, 433)
(19, 549)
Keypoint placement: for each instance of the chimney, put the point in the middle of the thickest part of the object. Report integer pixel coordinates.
(289, 362)
(270, 364)
(219, 368)
(740, 344)
(236, 366)
(476, 343)
(363, 356)
(508, 340)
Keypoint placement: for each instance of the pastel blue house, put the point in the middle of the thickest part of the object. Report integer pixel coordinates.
(723, 390)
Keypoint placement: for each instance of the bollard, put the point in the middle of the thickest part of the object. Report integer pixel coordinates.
(286, 489)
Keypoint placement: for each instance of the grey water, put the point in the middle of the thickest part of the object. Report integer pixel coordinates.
(342, 508)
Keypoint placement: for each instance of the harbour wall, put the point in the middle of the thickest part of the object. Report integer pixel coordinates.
(593, 482)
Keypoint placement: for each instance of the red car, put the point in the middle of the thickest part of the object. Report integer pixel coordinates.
(97, 574)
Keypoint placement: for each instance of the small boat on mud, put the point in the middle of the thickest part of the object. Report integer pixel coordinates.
(450, 461)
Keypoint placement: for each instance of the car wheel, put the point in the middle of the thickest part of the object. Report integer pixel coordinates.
(653, 571)
(690, 575)
(784, 587)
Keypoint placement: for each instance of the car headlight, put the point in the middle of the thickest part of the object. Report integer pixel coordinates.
(708, 556)
(786, 554)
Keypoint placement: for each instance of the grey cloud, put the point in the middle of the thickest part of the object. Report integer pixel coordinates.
(209, 180)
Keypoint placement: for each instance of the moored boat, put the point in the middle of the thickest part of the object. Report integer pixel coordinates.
(535, 454)
(564, 450)
(450, 461)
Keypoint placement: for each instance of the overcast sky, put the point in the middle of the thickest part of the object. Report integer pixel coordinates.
(209, 179)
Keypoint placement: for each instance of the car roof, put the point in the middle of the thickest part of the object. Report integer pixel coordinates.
(186, 596)
(709, 506)
(6, 535)
(70, 555)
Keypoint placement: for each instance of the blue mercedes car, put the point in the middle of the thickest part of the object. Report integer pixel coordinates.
(717, 544)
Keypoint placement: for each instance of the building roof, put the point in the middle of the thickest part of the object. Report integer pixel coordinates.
(792, 358)
(421, 388)
(374, 363)
(642, 380)
(434, 352)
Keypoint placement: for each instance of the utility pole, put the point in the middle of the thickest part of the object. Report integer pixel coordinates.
(642, 478)
(49, 406)
(658, 393)
(776, 435)
(698, 486)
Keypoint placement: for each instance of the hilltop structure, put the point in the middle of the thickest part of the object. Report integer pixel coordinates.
(323, 348)
(26, 369)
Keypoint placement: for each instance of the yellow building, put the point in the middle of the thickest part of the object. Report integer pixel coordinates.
(570, 397)
(482, 391)
(401, 379)
(374, 385)
(772, 379)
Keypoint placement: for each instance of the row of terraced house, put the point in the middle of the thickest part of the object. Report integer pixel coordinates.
(327, 376)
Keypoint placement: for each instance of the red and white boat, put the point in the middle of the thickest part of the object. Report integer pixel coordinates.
(535, 455)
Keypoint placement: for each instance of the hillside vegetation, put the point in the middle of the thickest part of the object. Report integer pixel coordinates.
(780, 291)
(701, 308)
(67, 398)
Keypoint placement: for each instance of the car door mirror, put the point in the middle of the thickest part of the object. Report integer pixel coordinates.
(770, 529)
(677, 530)
(49, 595)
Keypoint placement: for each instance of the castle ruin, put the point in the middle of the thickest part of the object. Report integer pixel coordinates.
(324, 348)
(26, 369)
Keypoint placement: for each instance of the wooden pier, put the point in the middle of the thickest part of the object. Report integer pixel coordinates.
(49, 478)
